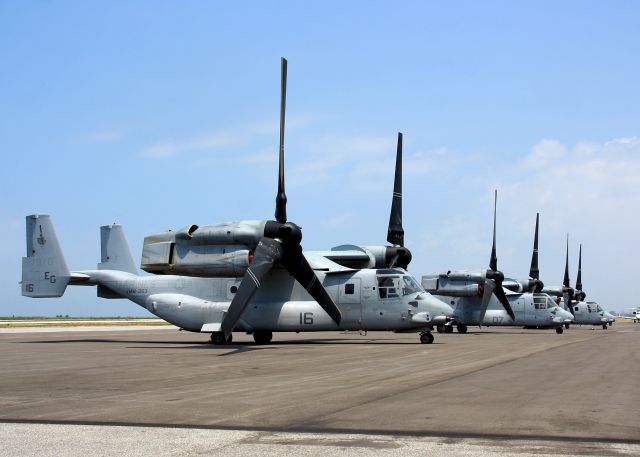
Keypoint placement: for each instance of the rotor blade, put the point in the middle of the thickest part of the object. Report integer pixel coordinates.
(534, 272)
(566, 296)
(281, 198)
(579, 280)
(489, 287)
(395, 232)
(493, 262)
(297, 265)
(502, 298)
(394, 261)
(566, 267)
(267, 253)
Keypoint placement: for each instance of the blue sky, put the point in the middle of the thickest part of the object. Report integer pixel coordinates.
(160, 114)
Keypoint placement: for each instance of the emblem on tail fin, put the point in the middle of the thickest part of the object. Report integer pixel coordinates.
(41, 239)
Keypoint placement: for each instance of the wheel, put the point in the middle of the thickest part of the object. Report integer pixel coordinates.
(262, 337)
(604, 326)
(448, 329)
(559, 330)
(218, 338)
(426, 338)
(440, 328)
(566, 326)
(461, 328)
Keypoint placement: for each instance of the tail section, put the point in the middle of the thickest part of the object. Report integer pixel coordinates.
(115, 253)
(44, 269)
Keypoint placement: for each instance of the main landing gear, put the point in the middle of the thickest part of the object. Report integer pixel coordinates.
(218, 338)
(426, 337)
(262, 337)
(604, 326)
(559, 330)
(461, 328)
(445, 329)
(566, 326)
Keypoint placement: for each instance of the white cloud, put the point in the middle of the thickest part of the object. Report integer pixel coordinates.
(252, 133)
(207, 141)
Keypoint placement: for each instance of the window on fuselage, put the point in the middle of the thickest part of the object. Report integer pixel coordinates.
(388, 286)
(349, 289)
(540, 302)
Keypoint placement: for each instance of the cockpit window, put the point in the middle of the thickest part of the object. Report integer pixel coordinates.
(540, 301)
(410, 285)
(599, 309)
(592, 308)
(388, 286)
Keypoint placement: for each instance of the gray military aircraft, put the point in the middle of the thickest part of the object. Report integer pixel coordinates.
(584, 313)
(635, 315)
(249, 276)
(478, 298)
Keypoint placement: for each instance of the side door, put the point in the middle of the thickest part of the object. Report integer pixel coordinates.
(347, 292)
(384, 309)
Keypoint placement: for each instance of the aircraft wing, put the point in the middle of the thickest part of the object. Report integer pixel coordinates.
(319, 261)
(349, 256)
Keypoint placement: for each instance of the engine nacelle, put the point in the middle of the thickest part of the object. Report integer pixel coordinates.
(451, 287)
(222, 250)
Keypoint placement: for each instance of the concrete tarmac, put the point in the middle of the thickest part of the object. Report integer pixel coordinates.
(577, 390)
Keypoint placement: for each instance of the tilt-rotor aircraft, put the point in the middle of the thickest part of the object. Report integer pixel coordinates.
(249, 276)
(635, 315)
(584, 313)
(478, 298)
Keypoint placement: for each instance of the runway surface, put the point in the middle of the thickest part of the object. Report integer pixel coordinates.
(497, 390)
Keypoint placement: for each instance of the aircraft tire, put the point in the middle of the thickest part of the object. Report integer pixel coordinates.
(448, 329)
(604, 326)
(461, 328)
(218, 338)
(440, 328)
(426, 338)
(262, 337)
(559, 330)
(566, 326)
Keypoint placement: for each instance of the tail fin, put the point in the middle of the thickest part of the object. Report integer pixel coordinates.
(44, 270)
(115, 251)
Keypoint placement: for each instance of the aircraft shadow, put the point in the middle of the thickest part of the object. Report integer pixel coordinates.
(151, 344)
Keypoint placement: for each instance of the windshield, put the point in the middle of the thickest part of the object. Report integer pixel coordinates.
(410, 285)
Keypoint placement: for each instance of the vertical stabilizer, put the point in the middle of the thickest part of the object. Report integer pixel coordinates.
(44, 270)
(115, 253)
